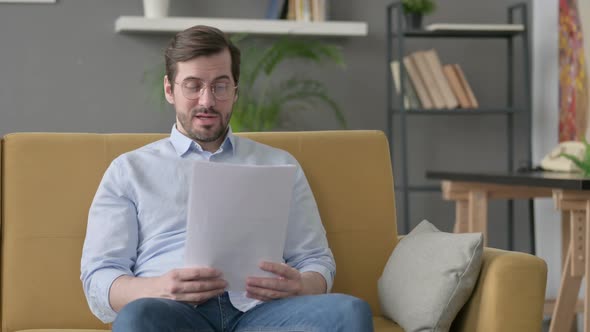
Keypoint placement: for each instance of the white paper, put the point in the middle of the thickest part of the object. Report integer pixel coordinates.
(237, 217)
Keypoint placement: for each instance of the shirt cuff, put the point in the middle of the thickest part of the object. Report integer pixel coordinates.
(324, 271)
(100, 305)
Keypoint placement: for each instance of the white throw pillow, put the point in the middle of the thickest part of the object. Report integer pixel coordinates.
(429, 277)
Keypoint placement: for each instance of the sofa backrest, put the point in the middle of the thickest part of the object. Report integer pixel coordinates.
(49, 179)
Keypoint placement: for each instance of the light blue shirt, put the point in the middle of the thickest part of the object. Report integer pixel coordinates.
(137, 220)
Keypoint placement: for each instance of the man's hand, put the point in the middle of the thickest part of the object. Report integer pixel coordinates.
(287, 283)
(194, 285)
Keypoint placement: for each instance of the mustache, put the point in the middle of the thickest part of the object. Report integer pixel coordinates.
(197, 111)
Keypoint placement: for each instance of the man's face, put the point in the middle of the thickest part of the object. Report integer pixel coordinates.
(203, 118)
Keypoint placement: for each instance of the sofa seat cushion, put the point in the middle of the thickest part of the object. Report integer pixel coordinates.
(382, 324)
(62, 330)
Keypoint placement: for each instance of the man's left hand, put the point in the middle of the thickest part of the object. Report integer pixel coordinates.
(287, 283)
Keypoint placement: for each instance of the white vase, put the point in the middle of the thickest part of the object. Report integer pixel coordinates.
(155, 8)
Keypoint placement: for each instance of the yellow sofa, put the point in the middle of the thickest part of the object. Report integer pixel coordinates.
(49, 179)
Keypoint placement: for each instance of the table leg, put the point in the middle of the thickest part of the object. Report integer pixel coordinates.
(477, 214)
(461, 216)
(566, 222)
(562, 318)
(565, 235)
(587, 268)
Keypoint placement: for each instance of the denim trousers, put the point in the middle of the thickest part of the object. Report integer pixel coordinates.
(311, 313)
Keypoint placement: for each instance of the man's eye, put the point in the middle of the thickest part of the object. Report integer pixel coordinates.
(220, 87)
(194, 86)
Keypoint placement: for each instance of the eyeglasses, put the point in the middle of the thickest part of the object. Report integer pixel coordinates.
(194, 89)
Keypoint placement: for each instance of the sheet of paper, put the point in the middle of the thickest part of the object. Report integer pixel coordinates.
(237, 217)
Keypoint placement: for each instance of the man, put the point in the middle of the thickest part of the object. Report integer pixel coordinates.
(132, 261)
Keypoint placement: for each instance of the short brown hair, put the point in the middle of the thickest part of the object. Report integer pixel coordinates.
(200, 40)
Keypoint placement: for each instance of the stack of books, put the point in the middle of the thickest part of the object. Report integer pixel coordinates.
(299, 10)
(431, 85)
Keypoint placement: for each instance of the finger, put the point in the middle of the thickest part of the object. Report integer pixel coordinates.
(264, 294)
(268, 283)
(258, 297)
(196, 273)
(280, 269)
(203, 286)
(199, 298)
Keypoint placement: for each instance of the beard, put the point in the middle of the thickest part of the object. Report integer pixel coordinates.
(207, 133)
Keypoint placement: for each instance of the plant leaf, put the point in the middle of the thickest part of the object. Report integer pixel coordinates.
(153, 78)
(584, 167)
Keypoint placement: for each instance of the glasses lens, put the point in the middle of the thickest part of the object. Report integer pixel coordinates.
(192, 88)
(221, 90)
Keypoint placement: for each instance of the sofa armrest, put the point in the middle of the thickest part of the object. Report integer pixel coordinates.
(508, 296)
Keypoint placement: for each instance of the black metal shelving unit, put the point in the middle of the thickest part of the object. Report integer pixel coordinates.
(396, 40)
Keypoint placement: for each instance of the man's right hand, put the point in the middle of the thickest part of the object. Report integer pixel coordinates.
(193, 284)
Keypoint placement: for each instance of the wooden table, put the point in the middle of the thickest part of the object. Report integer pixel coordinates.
(571, 194)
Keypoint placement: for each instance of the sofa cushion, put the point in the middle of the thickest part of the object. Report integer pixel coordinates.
(429, 277)
(382, 324)
(62, 330)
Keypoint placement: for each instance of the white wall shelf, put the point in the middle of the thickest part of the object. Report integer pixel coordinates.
(140, 24)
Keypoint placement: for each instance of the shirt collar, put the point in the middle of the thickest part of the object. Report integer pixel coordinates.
(183, 144)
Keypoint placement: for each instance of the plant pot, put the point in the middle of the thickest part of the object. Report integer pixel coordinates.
(155, 8)
(413, 21)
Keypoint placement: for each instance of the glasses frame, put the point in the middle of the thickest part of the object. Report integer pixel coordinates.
(202, 90)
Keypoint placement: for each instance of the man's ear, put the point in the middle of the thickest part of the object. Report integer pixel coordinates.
(168, 90)
(236, 94)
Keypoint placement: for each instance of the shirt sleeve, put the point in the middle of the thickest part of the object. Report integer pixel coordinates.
(306, 246)
(110, 247)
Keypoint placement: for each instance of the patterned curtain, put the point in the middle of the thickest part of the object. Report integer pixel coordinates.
(573, 81)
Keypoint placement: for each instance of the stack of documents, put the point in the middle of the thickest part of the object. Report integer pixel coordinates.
(237, 217)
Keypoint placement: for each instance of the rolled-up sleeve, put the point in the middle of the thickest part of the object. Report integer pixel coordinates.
(110, 247)
(306, 246)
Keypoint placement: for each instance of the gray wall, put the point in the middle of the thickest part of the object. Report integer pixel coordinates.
(65, 69)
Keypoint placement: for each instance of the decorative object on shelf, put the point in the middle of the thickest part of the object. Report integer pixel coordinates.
(573, 73)
(277, 10)
(262, 99)
(582, 163)
(446, 27)
(156, 8)
(432, 85)
(414, 10)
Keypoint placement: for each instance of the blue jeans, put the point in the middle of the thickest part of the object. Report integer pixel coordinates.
(317, 313)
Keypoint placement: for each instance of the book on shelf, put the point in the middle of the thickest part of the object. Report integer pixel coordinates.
(410, 99)
(305, 7)
(440, 79)
(307, 10)
(277, 9)
(427, 76)
(432, 85)
(456, 86)
(292, 9)
(319, 10)
(417, 83)
(466, 87)
(474, 27)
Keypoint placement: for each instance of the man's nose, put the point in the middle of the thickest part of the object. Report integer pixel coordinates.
(207, 98)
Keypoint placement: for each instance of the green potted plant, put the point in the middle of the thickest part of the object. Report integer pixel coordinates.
(414, 10)
(262, 99)
(583, 164)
